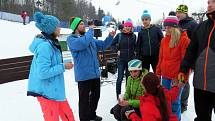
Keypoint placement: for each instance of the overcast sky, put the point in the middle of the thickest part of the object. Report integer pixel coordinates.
(134, 8)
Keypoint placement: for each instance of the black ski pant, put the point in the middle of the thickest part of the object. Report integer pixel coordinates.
(119, 112)
(204, 104)
(89, 94)
(147, 60)
(185, 94)
(122, 66)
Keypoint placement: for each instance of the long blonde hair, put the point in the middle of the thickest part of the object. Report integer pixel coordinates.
(175, 37)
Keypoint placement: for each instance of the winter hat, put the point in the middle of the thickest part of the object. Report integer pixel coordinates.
(172, 13)
(145, 15)
(46, 23)
(134, 64)
(74, 24)
(182, 8)
(128, 24)
(171, 21)
(151, 83)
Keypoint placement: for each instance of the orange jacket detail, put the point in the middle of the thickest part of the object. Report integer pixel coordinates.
(170, 58)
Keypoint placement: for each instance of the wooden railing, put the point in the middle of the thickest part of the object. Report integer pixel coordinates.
(13, 69)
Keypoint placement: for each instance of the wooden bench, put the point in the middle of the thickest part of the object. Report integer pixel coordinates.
(108, 61)
(106, 55)
(13, 69)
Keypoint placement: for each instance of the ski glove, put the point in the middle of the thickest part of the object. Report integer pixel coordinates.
(129, 112)
(181, 77)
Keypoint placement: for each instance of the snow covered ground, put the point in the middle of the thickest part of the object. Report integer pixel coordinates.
(16, 106)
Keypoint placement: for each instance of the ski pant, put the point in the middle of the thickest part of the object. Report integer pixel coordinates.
(147, 60)
(176, 105)
(204, 104)
(24, 19)
(119, 112)
(185, 94)
(53, 109)
(122, 66)
(89, 94)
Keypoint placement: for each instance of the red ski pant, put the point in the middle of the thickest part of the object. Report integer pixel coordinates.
(53, 109)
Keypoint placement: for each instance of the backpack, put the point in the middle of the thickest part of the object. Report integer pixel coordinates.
(120, 37)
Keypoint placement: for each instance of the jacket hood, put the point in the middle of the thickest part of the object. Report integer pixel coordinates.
(211, 16)
(36, 42)
(187, 19)
(143, 73)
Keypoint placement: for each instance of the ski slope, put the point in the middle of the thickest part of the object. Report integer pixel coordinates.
(16, 106)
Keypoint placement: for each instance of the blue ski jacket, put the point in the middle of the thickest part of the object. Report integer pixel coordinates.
(84, 52)
(46, 74)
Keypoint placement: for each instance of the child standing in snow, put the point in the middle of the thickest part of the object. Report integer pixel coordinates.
(133, 91)
(155, 105)
(124, 45)
(46, 79)
(172, 50)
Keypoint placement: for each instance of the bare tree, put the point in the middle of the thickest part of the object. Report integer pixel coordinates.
(199, 15)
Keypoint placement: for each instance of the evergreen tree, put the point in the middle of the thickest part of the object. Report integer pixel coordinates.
(100, 14)
(63, 9)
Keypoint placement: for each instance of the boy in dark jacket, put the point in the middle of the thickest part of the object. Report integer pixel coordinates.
(148, 42)
(201, 53)
(189, 24)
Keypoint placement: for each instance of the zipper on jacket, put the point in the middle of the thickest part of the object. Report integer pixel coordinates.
(128, 47)
(132, 89)
(91, 48)
(150, 53)
(206, 57)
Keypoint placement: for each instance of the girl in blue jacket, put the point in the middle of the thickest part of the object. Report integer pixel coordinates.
(46, 79)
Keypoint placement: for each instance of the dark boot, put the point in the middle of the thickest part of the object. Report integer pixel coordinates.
(183, 108)
(97, 118)
(116, 112)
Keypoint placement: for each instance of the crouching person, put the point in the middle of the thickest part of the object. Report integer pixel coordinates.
(155, 104)
(130, 100)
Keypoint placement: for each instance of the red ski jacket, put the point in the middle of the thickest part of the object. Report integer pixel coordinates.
(149, 106)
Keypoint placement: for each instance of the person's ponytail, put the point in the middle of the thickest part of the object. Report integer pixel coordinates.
(152, 86)
(163, 104)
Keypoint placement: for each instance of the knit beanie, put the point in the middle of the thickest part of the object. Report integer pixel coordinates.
(171, 21)
(134, 64)
(46, 23)
(182, 8)
(74, 24)
(172, 13)
(128, 24)
(145, 15)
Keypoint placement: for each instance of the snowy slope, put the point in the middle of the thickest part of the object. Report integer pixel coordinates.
(16, 106)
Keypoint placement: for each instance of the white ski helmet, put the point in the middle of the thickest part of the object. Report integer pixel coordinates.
(135, 64)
